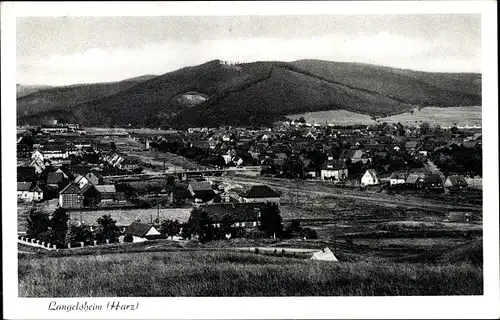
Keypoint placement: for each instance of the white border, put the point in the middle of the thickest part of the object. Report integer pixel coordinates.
(485, 306)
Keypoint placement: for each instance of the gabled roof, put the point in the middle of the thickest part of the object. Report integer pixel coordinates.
(138, 229)
(54, 178)
(412, 178)
(399, 175)
(106, 188)
(261, 192)
(411, 144)
(457, 180)
(372, 173)
(71, 188)
(96, 174)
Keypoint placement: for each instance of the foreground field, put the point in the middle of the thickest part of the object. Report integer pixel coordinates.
(213, 273)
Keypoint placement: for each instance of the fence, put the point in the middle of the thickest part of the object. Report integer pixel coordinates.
(48, 246)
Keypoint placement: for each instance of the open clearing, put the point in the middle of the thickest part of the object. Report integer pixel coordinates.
(443, 116)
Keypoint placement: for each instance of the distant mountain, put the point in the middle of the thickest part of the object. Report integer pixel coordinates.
(23, 90)
(48, 98)
(258, 93)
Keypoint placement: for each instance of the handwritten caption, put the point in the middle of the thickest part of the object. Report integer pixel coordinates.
(86, 306)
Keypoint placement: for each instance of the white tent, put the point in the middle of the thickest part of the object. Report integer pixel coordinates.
(326, 254)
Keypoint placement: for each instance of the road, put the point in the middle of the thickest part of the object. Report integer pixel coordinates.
(316, 190)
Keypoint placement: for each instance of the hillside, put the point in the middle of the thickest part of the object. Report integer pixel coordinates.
(24, 90)
(40, 99)
(256, 93)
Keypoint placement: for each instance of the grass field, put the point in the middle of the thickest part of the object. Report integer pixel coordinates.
(442, 116)
(212, 273)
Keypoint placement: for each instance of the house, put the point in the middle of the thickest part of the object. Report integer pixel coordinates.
(369, 178)
(398, 178)
(411, 146)
(455, 182)
(28, 192)
(141, 232)
(431, 181)
(54, 179)
(260, 194)
(243, 215)
(38, 164)
(355, 155)
(326, 255)
(333, 170)
(201, 191)
(71, 196)
(107, 193)
(94, 177)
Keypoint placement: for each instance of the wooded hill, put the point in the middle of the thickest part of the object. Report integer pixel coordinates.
(257, 93)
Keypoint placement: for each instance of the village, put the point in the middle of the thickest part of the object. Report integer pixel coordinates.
(119, 186)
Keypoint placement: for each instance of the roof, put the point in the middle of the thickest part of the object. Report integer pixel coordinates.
(238, 211)
(25, 173)
(78, 178)
(399, 175)
(325, 254)
(411, 144)
(106, 188)
(432, 178)
(372, 173)
(412, 178)
(333, 165)
(138, 229)
(201, 186)
(71, 188)
(23, 186)
(457, 180)
(261, 192)
(96, 174)
(54, 177)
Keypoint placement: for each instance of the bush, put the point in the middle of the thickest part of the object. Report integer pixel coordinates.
(309, 233)
(128, 238)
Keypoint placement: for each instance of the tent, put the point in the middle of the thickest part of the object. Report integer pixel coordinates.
(326, 254)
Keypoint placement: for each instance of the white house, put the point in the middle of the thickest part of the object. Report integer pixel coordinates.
(333, 170)
(81, 181)
(27, 193)
(398, 178)
(369, 178)
(141, 232)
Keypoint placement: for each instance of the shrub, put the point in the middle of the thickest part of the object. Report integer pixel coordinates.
(128, 238)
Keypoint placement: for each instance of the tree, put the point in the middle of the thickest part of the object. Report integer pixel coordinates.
(424, 128)
(199, 224)
(454, 130)
(108, 228)
(113, 146)
(79, 233)
(37, 223)
(128, 238)
(170, 228)
(59, 225)
(302, 120)
(270, 220)
(226, 224)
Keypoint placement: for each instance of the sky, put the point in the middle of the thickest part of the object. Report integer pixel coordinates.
(69, 50)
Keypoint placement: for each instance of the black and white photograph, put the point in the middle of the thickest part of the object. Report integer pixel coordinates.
(249, 155)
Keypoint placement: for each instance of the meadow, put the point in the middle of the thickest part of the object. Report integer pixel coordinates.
(433, 115)
(222, 273)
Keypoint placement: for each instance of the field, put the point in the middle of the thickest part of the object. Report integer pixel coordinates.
(223, 273)
(442, 116)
